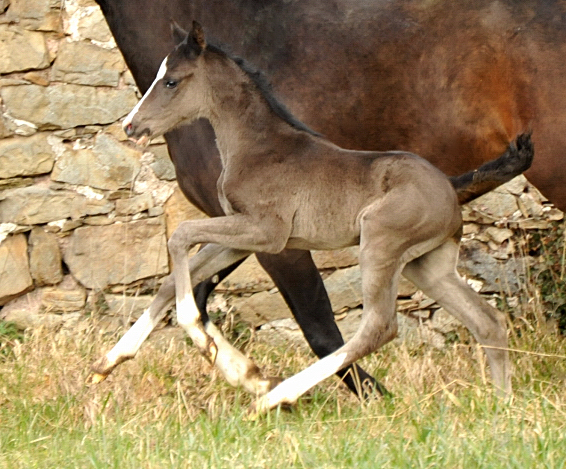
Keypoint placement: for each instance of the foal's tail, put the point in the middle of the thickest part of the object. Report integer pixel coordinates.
(516, 159)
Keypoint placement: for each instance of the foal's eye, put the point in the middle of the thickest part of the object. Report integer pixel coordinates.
(171, 84)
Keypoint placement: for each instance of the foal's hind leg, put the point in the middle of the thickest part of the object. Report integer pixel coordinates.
(435, 274)
(383, 253)
(378, 326)
(310, 305)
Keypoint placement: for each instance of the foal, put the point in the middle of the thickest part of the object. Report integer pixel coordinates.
(283, 186)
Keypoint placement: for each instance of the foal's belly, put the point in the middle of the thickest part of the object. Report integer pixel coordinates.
(321, 244)
(325, 234)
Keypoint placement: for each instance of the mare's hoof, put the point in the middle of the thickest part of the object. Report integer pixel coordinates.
(372, 390)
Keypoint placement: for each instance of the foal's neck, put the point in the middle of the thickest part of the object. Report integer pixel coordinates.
(240, 113)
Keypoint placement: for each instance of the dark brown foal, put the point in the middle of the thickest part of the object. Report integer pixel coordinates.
(283, 186)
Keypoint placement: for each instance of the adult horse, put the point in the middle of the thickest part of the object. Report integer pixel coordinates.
(454, 82)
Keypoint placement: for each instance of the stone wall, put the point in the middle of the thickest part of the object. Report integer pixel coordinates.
(84, 214)
(82, 211)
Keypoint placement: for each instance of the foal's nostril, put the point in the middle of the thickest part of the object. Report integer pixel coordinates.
(129, 129)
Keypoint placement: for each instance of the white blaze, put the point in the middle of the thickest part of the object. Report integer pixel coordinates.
(160, 74)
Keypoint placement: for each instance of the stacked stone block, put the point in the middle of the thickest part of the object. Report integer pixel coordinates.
(82, 211)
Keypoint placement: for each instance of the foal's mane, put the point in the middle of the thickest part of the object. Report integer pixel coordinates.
(265, 88)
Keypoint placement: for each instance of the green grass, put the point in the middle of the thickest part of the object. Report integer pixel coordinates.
(168, 408)
(548, 276)
(9, 337)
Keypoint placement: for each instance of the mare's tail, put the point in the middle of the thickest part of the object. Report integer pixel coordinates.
(516, 159)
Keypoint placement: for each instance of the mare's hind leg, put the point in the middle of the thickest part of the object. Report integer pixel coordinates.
(435, 274)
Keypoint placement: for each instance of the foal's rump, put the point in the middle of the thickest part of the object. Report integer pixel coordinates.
(418, 212)
(393, 188)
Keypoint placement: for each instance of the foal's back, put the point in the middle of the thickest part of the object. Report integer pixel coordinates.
(333, 189)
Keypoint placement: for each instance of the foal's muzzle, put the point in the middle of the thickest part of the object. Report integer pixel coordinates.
(135, 135)
(129, 129)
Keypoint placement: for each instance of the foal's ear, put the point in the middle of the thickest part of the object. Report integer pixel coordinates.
(197, 35)
(178, 33)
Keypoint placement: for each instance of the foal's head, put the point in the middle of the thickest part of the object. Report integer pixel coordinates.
(178, 93)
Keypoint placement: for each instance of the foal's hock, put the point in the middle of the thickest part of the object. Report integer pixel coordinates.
(284, 186)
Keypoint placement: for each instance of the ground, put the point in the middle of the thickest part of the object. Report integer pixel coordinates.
(169, 408)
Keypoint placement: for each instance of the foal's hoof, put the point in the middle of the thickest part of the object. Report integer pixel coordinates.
(262, 406)
(273, 381)
(256, 409)
(263, 385)
(210, 352)
(100, 370)
(95, 378)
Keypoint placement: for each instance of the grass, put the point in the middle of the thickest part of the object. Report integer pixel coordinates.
(549, 273)
(168, 408)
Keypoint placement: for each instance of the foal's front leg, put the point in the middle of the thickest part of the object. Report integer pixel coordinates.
(236, 234)
(188, 314)
(234, 366)
(203, 265)
(131, 341)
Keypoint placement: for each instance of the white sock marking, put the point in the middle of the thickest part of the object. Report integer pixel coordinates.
(188, 317)
(187, 311)
(231, 362)
(295, 386)
(233, 365)
(131, 341)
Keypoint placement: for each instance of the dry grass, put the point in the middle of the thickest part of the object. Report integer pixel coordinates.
(168, 408)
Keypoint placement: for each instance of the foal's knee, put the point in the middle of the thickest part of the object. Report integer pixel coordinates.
(178, 244)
